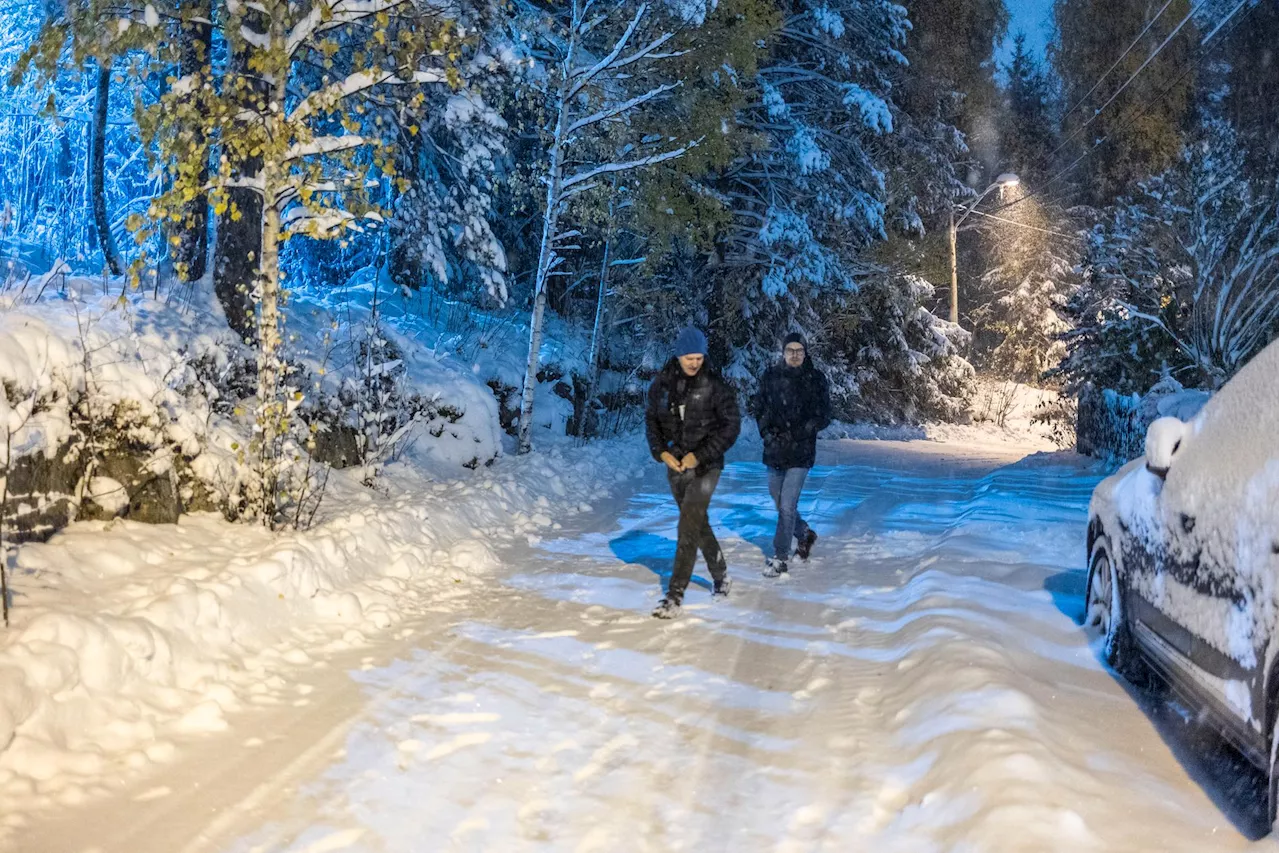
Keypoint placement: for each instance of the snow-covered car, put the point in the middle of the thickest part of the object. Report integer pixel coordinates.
(1182, 549)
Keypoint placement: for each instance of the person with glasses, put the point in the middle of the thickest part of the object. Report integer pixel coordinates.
(792, 405)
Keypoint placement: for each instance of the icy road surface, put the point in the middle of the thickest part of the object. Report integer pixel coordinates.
(922, 684)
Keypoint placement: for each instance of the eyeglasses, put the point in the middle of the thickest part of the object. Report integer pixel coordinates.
(794, 350)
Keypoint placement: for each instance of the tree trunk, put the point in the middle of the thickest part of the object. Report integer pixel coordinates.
(97, 169)
(236, 251)
(955, 284)
(549, 222)
(597, 330)
(546, 256)
(192, 249)
(237, 247)
(272, 410)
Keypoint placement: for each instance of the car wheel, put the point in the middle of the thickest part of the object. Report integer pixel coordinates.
(1104, 614)
(1273, 778)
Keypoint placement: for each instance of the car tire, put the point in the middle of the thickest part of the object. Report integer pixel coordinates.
(1104, 613)
(1273, 776)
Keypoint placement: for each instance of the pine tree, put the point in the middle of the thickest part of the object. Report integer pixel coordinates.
(1183, 277)
(949, 78)
(1028, 123)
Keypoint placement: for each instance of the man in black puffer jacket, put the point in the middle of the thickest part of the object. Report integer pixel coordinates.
(792, 406)
(691, 421)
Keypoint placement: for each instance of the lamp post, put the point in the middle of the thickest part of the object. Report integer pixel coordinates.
(1008, 179)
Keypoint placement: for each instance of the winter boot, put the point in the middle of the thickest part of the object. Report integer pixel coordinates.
(775, 568)
(668, 608)
(805, 545)
(722, 588)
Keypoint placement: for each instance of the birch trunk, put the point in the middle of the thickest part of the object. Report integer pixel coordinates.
(546, 252)
(545, 257)
(270, 416)
(272, 408)
(597, 330)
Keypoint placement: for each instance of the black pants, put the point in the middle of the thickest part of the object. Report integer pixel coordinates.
(693, 495)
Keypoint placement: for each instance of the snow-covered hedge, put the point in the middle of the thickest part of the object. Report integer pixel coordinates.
(140, 402)
(1113, 426)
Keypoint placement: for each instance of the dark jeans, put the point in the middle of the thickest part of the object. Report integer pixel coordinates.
(693, 495)
(785, 485)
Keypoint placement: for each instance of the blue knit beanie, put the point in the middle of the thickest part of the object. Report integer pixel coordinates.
(691, 342)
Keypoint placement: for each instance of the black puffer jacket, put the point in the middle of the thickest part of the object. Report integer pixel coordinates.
(792, 406)
(710, 421)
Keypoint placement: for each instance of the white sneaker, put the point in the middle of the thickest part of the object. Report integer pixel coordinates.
(775, 568)
(668, 608)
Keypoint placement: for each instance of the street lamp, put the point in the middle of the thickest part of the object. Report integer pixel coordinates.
(1008, 179)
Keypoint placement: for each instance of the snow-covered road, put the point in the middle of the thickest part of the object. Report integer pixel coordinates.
(921, 684)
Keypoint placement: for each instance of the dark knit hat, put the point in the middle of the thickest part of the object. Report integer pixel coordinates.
(794, 338)
(691, 342)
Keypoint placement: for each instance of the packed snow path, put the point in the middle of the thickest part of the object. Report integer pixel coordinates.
(921, 684)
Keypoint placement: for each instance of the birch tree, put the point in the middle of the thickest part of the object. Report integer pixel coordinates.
(303, 123)
(590, 94)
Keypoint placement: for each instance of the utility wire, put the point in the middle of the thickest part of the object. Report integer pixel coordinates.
(1022, 224)
(1048, 157)
(1119, 59)
(1134, 116)
(1096, 113)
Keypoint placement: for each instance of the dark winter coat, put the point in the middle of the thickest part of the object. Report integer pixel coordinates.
(792, 406)
(710, 421)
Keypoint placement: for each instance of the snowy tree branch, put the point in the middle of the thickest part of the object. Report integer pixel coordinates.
(627, 165)
(324, 145)
(356, 83)
(619, 109)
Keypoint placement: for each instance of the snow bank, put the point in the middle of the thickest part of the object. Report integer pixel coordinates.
(133, 358)
(128, 636)
(1003, 413)
(1114, 426)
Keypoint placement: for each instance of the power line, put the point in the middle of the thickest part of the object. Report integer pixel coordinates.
(1132, 117)
(1022, 224)
(1132, 77)
(1048, 157)
(1119, 59)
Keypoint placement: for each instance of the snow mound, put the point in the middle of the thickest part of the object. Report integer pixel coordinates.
(129, 636)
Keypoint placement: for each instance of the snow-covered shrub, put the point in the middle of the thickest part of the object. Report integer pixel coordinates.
(1113, 426)
(894, 361)
(1182, 277)
(994, 401)
(379, 375)
(1059, 417)
(100, 389)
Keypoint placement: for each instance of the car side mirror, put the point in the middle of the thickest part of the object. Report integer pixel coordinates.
(1164, 440)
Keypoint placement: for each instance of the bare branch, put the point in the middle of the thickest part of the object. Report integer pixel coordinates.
(627, 165)
(356, 83)
(619, 109)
